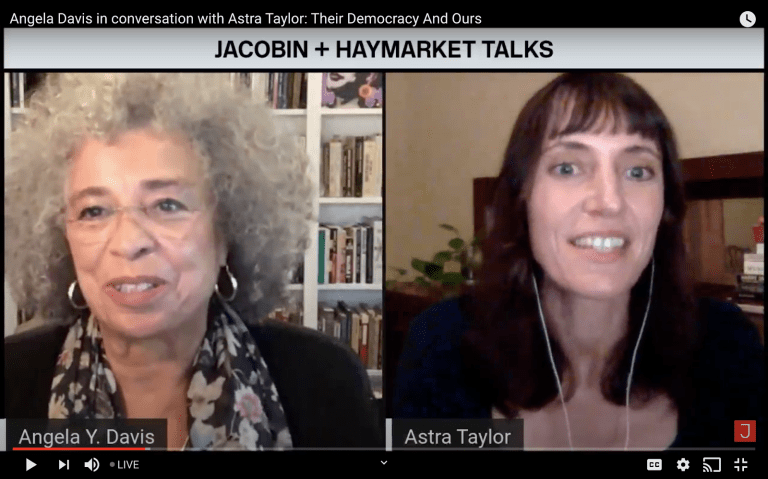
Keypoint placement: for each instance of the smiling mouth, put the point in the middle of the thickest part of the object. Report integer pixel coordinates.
(134, 287)
(602, 244)
(137, 284)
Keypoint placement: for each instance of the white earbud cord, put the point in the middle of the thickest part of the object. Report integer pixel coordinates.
(631, 368)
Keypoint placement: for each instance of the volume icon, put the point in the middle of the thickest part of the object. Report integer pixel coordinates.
(93, 464)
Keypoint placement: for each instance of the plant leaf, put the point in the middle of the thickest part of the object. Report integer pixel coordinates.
(449, 228)
(400, 271)
(433, 271)
(419, 265)
(420, 280)
(453, 279)
(456, 243)
(442, 256)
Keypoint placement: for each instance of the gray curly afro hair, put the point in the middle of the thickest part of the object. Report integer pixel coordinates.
(258, 177)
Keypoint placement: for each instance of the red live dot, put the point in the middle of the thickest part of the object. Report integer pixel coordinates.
(744, 431)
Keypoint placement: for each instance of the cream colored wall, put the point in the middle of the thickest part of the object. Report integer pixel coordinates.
(443, 129)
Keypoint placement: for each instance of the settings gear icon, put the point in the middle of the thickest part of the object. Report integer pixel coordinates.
(683, 464)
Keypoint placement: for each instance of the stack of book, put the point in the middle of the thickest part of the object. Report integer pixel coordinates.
(357, 326)
(278, 90)
(750, 286)
(351, 254)
(351, 167)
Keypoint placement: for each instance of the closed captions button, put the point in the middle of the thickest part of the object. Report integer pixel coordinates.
(653, 464)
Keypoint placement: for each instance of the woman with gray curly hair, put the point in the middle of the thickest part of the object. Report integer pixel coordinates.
(145, 215)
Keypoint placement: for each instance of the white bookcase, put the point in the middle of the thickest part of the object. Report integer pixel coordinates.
(318, 124)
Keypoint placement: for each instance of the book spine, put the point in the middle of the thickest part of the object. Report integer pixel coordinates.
(751, 278)
(325, 170)
(350, 256)
(369, 153)
(364, 337)
(288, 90)
(355, 343)
(363, 254)
(757, 296)
(303, 97)
(358, 184)
(373, 340)
(380, 319)
(369, 259)
(327, 255)
(275, 89)
(337, 327)
(379, 166)
(321, 234)
(378, 250)
(333, 235)
(349, 166)
(753, 267)
(335, 169)
(15, 89)
(358, 254)
(341, 256)
(348, 326)
(282, 82)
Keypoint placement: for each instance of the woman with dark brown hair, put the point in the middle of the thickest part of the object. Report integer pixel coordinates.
(582, 321)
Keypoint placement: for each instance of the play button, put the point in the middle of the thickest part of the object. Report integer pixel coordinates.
(30, 464)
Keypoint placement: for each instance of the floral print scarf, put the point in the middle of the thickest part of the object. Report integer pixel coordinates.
(233, 403)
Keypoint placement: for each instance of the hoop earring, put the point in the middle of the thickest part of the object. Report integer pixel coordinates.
(71, 294)
(233, 283)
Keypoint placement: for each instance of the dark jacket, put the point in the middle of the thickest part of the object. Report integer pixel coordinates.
(433, 382)
(323, 387)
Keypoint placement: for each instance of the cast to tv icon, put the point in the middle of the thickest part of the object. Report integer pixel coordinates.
(744, 431)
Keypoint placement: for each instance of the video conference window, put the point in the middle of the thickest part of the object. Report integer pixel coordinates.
(573, 307)
(207, 250)
(153, 223)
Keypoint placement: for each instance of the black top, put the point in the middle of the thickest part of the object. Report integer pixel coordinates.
(432, 381)
(323, 387)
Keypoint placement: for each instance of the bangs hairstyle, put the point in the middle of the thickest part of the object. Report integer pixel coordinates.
(505, 348)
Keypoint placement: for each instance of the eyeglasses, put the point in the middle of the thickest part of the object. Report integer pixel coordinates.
(96, 224)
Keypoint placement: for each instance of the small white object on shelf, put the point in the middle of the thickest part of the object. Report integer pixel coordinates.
(752, 308)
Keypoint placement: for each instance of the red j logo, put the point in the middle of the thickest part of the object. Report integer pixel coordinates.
(744, 431)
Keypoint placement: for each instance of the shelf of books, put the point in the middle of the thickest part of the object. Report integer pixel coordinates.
(339, 288)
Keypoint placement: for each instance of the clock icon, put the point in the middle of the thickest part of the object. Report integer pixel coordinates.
(747, 19)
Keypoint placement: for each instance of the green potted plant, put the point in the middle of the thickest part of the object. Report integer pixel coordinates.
(446, 272)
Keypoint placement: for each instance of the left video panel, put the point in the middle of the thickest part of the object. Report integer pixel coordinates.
(169, 255)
